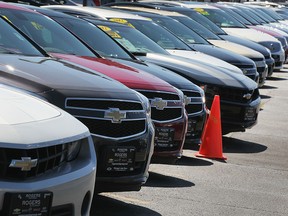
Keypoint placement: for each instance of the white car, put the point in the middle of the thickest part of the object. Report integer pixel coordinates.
(47, 158)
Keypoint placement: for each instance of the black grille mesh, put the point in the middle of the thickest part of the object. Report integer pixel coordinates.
(166, 114)
(109, 129)
(49, 158)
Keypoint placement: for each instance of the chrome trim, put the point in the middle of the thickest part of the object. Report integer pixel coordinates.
(26, 163)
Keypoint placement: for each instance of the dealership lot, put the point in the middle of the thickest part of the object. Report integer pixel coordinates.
(253, 180)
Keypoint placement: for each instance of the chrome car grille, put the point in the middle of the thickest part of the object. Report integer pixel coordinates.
(232, 95)
(109, 118)
(170, 111)
(48, 158)
(195, 103)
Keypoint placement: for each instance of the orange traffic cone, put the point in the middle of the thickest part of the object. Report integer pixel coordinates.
(211, 146)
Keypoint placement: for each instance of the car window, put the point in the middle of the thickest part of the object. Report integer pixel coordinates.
(48, 34)
(155, 32)
(12, 42)
(94, 37)
(133, 40)
(220, 18)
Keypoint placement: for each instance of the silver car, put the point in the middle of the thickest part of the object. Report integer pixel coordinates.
(47, 158)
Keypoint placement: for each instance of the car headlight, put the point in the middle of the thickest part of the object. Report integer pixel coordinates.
(73, 149)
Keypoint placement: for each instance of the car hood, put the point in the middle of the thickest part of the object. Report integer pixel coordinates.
(42, 75)
(200, 73)
(19, 108)
(237, 48)
(222, 53)
(248, 43)
(207, 59)
(250, 34)
(24, 120)
(134, 78)
(161, 72)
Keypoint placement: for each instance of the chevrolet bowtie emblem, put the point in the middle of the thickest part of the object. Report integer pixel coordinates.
(115, 115)
(26, 163)
(159, 103)
(247, 96)
(187, 100)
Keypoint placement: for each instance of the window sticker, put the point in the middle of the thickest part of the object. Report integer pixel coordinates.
(111, 33)
(201, 11)
(37, 26)
(121, 21)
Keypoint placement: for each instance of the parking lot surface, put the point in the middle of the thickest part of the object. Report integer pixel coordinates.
(252, 181)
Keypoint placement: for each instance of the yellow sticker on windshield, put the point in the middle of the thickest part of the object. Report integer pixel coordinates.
(5, 17)
(202, 11)
(104, 28)
(121, 21)
(37, 26)
(109, 31)
(118, 20)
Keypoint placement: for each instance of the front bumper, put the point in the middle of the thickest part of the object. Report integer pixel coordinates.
(124, 175)
(169, 139)
(72, 186)
(270, 63)
(237, 112)
(279, 58)
(262, 69)
(238, 117)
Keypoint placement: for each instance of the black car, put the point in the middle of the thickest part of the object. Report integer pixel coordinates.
(239, 95)
(117, 117)
(109, 48)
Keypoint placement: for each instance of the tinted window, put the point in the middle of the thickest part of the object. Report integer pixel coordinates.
(46, 32)
(94, 37)
(12, 42)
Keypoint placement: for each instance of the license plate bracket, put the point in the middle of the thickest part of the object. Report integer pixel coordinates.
(28, 204)
(164, 136)
(120, 159)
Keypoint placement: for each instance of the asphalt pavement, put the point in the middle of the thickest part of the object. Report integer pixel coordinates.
(253, 181)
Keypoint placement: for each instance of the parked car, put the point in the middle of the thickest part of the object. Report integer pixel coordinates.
(209, 30)
(117, 117)
(230, 86)
(167, 103)
(48, 161)
(109, 48)
(196, 42)
(235, 28)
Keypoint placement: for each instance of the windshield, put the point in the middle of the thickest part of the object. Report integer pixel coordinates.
(180, 30)
(204, 21)
(265, 18)
(48, 34)
(94, 37)
(133, 40)
(155, 32)
(198, 28)
(12, 42)
(220, 18)
(236, 16)
(246, 15)
(265, 14)
(271, 13)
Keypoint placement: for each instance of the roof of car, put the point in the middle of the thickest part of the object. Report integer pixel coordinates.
(150, 10)
(97, 12)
